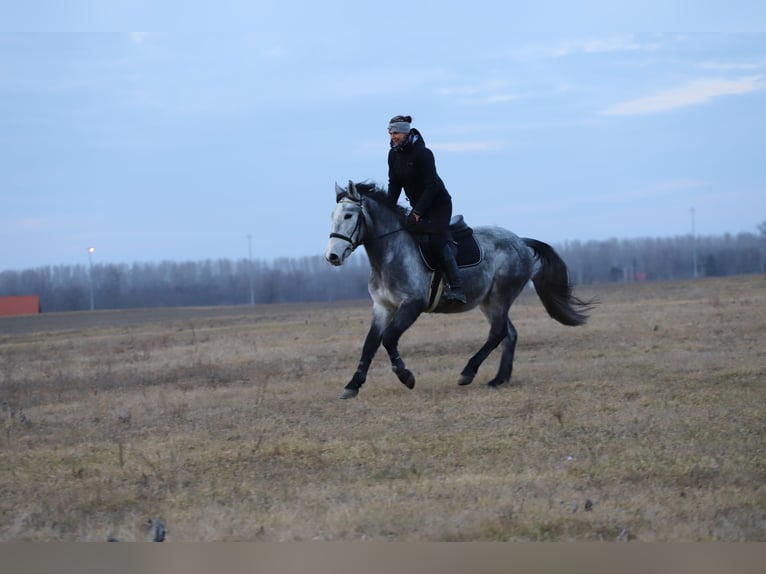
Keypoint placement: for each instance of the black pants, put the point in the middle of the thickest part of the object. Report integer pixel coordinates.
(435, 224)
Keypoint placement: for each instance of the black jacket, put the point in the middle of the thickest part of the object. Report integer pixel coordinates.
(414, 169)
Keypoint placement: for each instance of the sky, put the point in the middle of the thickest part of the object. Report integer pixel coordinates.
(222, 133)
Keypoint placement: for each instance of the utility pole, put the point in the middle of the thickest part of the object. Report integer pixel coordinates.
(250, 266)
(694, 246)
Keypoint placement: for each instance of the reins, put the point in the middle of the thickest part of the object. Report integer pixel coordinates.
(386, 234)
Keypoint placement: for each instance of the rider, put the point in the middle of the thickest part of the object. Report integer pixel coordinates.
(411, 166)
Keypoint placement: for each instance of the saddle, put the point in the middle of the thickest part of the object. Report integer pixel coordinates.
(468, 254)
(468, 251)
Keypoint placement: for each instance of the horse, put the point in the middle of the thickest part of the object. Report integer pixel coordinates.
(400, 282)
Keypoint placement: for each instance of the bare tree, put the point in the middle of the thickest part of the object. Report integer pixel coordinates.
(284, 280)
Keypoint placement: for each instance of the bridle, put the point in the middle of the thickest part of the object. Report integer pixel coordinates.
(357, 228)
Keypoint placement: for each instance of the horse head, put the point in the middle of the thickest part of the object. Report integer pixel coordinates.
(347, 224)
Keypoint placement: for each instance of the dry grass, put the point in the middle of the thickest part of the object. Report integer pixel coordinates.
(647, 424)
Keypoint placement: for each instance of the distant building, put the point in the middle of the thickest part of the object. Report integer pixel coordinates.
(20, 305)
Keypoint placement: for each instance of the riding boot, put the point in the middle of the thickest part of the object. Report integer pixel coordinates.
(449, 267)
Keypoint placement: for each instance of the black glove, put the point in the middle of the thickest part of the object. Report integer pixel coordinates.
(412, 218)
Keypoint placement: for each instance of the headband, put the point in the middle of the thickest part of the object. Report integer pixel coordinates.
(399, 127)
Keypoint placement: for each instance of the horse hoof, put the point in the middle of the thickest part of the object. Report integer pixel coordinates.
(348, 394)
(405, 376)
(465, 380)
(495, 384)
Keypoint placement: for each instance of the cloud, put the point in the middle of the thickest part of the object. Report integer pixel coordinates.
(26, 224)
(603, 46)
(654, 191)
(274, 53)
(490, 93)
(138, 38)
(751, 66)
(698, 92)
(466, 146)
(501, 98)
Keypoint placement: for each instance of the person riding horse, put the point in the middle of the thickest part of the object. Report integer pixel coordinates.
(399, 284)
(411, 166)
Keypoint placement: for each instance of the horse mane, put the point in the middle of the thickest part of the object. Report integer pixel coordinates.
(380, 195)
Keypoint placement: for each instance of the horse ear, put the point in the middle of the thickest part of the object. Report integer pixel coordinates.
(339, 192)
(352, 191)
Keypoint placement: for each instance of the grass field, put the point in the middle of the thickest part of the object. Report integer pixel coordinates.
(647, 424)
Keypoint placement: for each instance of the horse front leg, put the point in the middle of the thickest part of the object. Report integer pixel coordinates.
(371, 344)
(404, 317)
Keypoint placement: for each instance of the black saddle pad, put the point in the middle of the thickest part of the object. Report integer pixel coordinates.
(468, 250)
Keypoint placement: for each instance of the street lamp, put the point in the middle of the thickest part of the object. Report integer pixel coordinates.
(90, 274)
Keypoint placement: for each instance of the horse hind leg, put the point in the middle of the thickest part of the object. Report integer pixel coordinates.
(497, 333)
(501, 330)
(506, 360)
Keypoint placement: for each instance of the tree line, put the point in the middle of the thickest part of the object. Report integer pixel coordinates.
(663, 259)
(306, 279)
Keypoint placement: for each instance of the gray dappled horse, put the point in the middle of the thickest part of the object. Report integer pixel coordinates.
(400, 281)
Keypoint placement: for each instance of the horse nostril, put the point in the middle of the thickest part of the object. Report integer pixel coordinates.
(333, 258)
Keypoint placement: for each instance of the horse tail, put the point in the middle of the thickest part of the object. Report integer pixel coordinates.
(552, 285)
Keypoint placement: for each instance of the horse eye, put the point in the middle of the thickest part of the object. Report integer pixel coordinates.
(347, 216)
